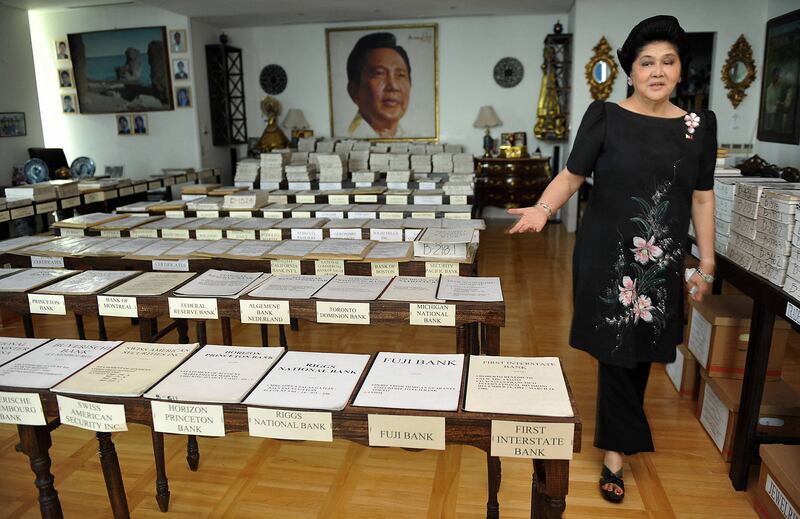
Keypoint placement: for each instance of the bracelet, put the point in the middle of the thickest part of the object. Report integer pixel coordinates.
(708, 278)
(547, 209)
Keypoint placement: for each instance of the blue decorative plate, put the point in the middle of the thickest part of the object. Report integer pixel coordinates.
(35, 171)
(82, 167)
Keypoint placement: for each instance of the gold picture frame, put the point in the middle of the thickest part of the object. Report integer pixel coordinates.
(739, 70)
(410, 111)
(601, 71)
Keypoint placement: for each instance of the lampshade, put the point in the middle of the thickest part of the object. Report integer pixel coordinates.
(295, 120)
(487, 118)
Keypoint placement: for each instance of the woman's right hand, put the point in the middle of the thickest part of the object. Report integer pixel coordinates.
(532, 219)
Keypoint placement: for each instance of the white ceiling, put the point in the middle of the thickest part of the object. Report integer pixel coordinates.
(247, 13)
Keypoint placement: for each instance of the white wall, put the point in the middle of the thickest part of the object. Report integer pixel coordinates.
(173, 140)
(18, 87)
(468, 51)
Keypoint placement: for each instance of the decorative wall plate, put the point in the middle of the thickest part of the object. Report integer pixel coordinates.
(82, 167)
(508, 72)
(35, 171)
(273, 79)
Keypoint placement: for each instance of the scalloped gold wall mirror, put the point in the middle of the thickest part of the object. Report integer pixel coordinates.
(601, 70)
(739, 70)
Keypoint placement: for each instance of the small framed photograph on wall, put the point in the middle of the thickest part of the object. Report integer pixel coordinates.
(123, 122)
(180, 69)
(140, 124)
(65, 78)
(69, 105)
(183, 97)
(62, 52)
(177, 40)
(12, 124)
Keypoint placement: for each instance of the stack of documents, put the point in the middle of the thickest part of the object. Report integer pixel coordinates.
(221, 283)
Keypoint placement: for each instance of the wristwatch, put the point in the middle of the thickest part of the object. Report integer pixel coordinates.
(708, 278)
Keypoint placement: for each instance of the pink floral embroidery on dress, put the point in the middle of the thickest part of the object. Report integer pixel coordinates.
(642, 309)
(692, 121)
(627, 292)
(646, 250)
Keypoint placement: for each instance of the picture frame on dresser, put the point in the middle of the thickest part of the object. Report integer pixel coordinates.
(779, 108)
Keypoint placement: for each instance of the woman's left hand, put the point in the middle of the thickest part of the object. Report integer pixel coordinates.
(697, 287)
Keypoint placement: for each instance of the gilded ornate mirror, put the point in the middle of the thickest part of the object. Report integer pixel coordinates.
(601, 70)
(739, 70)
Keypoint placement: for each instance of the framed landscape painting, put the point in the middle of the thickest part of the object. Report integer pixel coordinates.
(779, 110)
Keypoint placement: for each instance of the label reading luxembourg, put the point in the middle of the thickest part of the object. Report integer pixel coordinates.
(75, 232)
(341, 312)
(285, 266)
(21, 409)
(203, 420)
(193, 308)
(91, 416)
(290, 425)
(171, 265)
(270, 234)
(385, 268)
(117, 306)
(47, 304)
(329, 267)
(431, 314)
(208, 234)
(47, 262)
(261, 311)
(435, 268)
(532, 440)
(414, 432)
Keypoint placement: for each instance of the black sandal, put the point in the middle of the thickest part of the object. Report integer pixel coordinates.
(614, 478)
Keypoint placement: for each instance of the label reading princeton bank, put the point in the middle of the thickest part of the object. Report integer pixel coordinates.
(117, 306)
(385, 268)
(175, 418)
(328, 267)
(193, 308)
(436, 268)
(341, 312)
(262, 311)
(47, 262)
(171, 265)
(285, 266)
(91, 416)
(532, 440)
(413, 432)
(432, 314)
(21, 409)
(47, 304)
(290, 425)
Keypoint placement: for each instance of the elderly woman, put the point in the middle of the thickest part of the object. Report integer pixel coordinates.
(653, 167)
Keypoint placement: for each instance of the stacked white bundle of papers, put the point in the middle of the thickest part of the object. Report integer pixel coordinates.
(379, 162)
(272, 167)
(330, 168)
(379, 147)
(398, 177)
(32, 278)
(290, 287)
(417, 148)
(421, 163)
(453, 148)
(746, 201)
(307, 144)
(399, 147)
(463, 163)
(221, 283)
(362, 146)
(151, 284)
(443, 163)
(298, 173)
(792, 283)
(774, 230)
(353, 288)
(13, 347)
(88, 282)
(398, 161)
(364, 177)
(299, 158)
(443, 243)
(453, 187)
(246, 171)
(245, 200)
(344, 146)
(36, 192)
(308, 380)
(326, 146)
(359, 160)
(433, 149)
(458, 288)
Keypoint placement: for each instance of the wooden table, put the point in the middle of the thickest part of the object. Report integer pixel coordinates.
(550, 482)
(510, 182)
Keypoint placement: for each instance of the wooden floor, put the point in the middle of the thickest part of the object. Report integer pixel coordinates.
(242, 477)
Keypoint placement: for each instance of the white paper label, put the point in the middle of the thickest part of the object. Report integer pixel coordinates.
(390, 215)
(699, 338)
(48, 207)
(368, 215)
(338, 199)
(435, 268)
(385, 268)
(174, 214)
(432, 314)
(21, 409)
(22, 212)
(301, 214)
(458, 199)
(47, 304)
(47, 262)
(126, 191)
(66, 231)
(207, 214)
(140, 188)
(675, 370)
(144, 233)
(91, 416)
(328, 266)
(241, 214)
(342, 312)
(200, 420)
(175, 234)
(154, 184)
(457, 216)
(263, 311)
(270, 235)
(307, 234)
(532, 440)
(66, 203)
(117, 306)
(396, 199)
(423, 215)
(290, 425)
(208, 234)
(273, 214)
(792, 313)
(285, 266)
(412, 432)
(781, 501)
(392, 235)
(110, 234)
(97, 196)
(241, 235)
(171, 265)
(345, 234)
(365, 199)
(193, 308)
(714, 417)
(5, 216)
(305, 199)
(411, 234)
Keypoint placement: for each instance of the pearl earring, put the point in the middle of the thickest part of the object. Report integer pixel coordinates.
(630, 82)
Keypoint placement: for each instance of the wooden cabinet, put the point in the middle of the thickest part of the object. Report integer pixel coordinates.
(510, 182)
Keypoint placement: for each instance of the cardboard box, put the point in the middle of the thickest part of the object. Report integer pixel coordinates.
(719, 330)
(778, 491)
(684, 373)
(718, 408)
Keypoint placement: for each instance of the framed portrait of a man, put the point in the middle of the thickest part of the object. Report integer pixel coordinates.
(779, 110)
(383, 82)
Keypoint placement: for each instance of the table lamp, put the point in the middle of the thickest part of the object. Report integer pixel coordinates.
(295, 121)
(487, 118)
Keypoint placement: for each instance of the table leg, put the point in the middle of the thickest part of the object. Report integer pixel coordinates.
(549, 488)
(81, 329)
(474, 341)
(183, 330)
(192, 453)
(492, 344)
(112, 476)
(282, 336)
(755, 372)
(462, 339)
(146, 329)
(225, 323)
(293, 325)
(36, 442)
(162, 483)
(264, 335)
(101, 328)
(201, 333)
(27, 323)
(493, 472)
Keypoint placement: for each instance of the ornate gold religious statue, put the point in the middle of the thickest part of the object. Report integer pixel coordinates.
(550, 122)
(273, 137)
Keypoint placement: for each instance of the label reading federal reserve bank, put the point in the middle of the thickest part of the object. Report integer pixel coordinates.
(193, 308)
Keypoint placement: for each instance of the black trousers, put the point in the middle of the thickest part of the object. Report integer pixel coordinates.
(621, 423)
